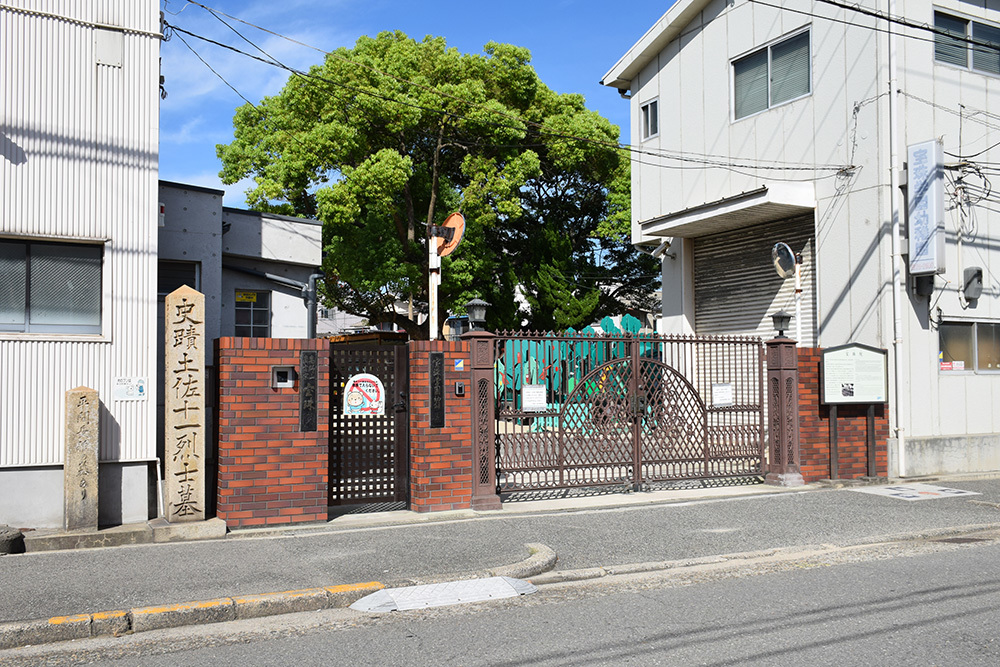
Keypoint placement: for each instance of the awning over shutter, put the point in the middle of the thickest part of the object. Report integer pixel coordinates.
(736, 288)
(777, 201)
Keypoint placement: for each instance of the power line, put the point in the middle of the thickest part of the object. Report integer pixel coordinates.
(716, 161)
(910, 24)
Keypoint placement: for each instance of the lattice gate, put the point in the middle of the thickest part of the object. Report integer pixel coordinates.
(369, 452)
(591, 410)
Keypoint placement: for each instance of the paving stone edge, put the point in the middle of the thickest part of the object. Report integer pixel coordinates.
(83, 626)
(142, 619)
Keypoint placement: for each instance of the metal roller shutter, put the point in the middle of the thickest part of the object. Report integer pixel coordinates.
(736, 288)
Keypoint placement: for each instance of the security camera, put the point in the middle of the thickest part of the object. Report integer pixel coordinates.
(660, 250)
(657, 252)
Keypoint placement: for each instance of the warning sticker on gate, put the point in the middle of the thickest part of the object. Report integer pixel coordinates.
(364, 396)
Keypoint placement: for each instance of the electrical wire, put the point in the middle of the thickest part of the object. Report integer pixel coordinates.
(709, 160)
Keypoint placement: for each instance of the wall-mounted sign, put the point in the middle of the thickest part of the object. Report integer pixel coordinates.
(308, 389)
(246, 297)
(925, 207)
(854, 373)
(364, 395)
(437, 389)
(533, 398)
(722, 395)
(129, 389)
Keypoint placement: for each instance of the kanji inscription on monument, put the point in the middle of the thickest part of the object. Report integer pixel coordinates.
(184, 406)
(80, 462)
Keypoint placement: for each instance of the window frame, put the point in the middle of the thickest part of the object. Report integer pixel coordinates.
(252, 310)
(973, 345)
(970, 50)
(96, 332)
(768, 49)
(161, 263)
(649, 110)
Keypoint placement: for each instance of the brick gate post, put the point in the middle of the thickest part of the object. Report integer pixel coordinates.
(783, 412)
(484, 463)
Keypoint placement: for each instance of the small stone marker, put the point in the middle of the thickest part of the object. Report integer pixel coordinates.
(80, 460)
(184, 406)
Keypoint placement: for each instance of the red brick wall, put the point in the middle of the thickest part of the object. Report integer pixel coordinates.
(270, 472)
(852, 429)
(440, 458)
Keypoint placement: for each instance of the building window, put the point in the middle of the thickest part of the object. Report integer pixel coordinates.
(171, 275)
(50, 287)
(955, 48)
(771, 76)
(253, 314)
(650, 119)
(968, 346)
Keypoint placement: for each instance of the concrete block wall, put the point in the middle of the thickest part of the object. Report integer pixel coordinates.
(852, 428)
(270, 472)
(441, 463)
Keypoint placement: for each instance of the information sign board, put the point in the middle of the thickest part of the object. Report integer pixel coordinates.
(854, 374)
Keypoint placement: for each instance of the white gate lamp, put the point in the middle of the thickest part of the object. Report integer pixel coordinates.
(781, 320)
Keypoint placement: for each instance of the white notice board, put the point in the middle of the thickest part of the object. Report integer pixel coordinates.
(533, 398)
(853, 374)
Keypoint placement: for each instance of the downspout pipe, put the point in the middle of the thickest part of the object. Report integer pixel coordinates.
(309, 291)
(897, 258)
(312, 302)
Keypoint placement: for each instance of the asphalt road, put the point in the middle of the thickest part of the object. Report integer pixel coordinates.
(61, 583)
(921, 603)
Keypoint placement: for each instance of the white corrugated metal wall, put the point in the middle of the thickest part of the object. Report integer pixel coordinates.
(736, 288)
(80, 162)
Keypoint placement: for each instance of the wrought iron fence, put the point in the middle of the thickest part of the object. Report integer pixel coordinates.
(589, 409)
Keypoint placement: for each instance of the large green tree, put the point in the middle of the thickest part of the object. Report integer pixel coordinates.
(384, 139)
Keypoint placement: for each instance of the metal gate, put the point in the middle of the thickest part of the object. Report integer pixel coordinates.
(590, 410)
(369, 451)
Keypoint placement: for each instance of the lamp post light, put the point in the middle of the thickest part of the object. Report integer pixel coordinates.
(477, 314)
(781, 321)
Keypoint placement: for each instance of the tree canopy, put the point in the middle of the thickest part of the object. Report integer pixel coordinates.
(384, 139)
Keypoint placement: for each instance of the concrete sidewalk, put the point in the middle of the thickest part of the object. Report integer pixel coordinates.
(330, 564)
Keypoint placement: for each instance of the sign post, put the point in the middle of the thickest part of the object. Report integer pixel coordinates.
(441, 242)
(854, 374)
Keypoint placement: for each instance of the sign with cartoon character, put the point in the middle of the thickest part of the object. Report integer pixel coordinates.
(364, 395)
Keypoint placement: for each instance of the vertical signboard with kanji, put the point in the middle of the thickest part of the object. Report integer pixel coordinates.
(184, 406)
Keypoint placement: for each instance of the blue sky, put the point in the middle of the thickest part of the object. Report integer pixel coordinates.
(573, 44)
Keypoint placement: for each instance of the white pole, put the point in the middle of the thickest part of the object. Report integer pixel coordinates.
(433, 280)
(897, 260)
(798, 303)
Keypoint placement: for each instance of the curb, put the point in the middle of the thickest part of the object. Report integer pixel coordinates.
(115, 623)
(158, 617)
(991, 531)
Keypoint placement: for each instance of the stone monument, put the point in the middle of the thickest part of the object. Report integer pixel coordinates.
(184, 406)
(80, 461)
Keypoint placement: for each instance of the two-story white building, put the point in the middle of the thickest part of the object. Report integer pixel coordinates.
(788, 121)
(79, 96)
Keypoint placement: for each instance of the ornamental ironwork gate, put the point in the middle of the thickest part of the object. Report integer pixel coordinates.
(369, 449)
(584, 410)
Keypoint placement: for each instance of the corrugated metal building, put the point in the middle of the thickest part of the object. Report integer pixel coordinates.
(790, 121)
(78, 245)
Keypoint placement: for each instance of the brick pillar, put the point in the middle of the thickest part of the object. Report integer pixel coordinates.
(484, 485)
(441, 457)
(783, 413)
(273, 442)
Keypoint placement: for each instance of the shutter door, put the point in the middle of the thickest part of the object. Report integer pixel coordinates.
(736, 288)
